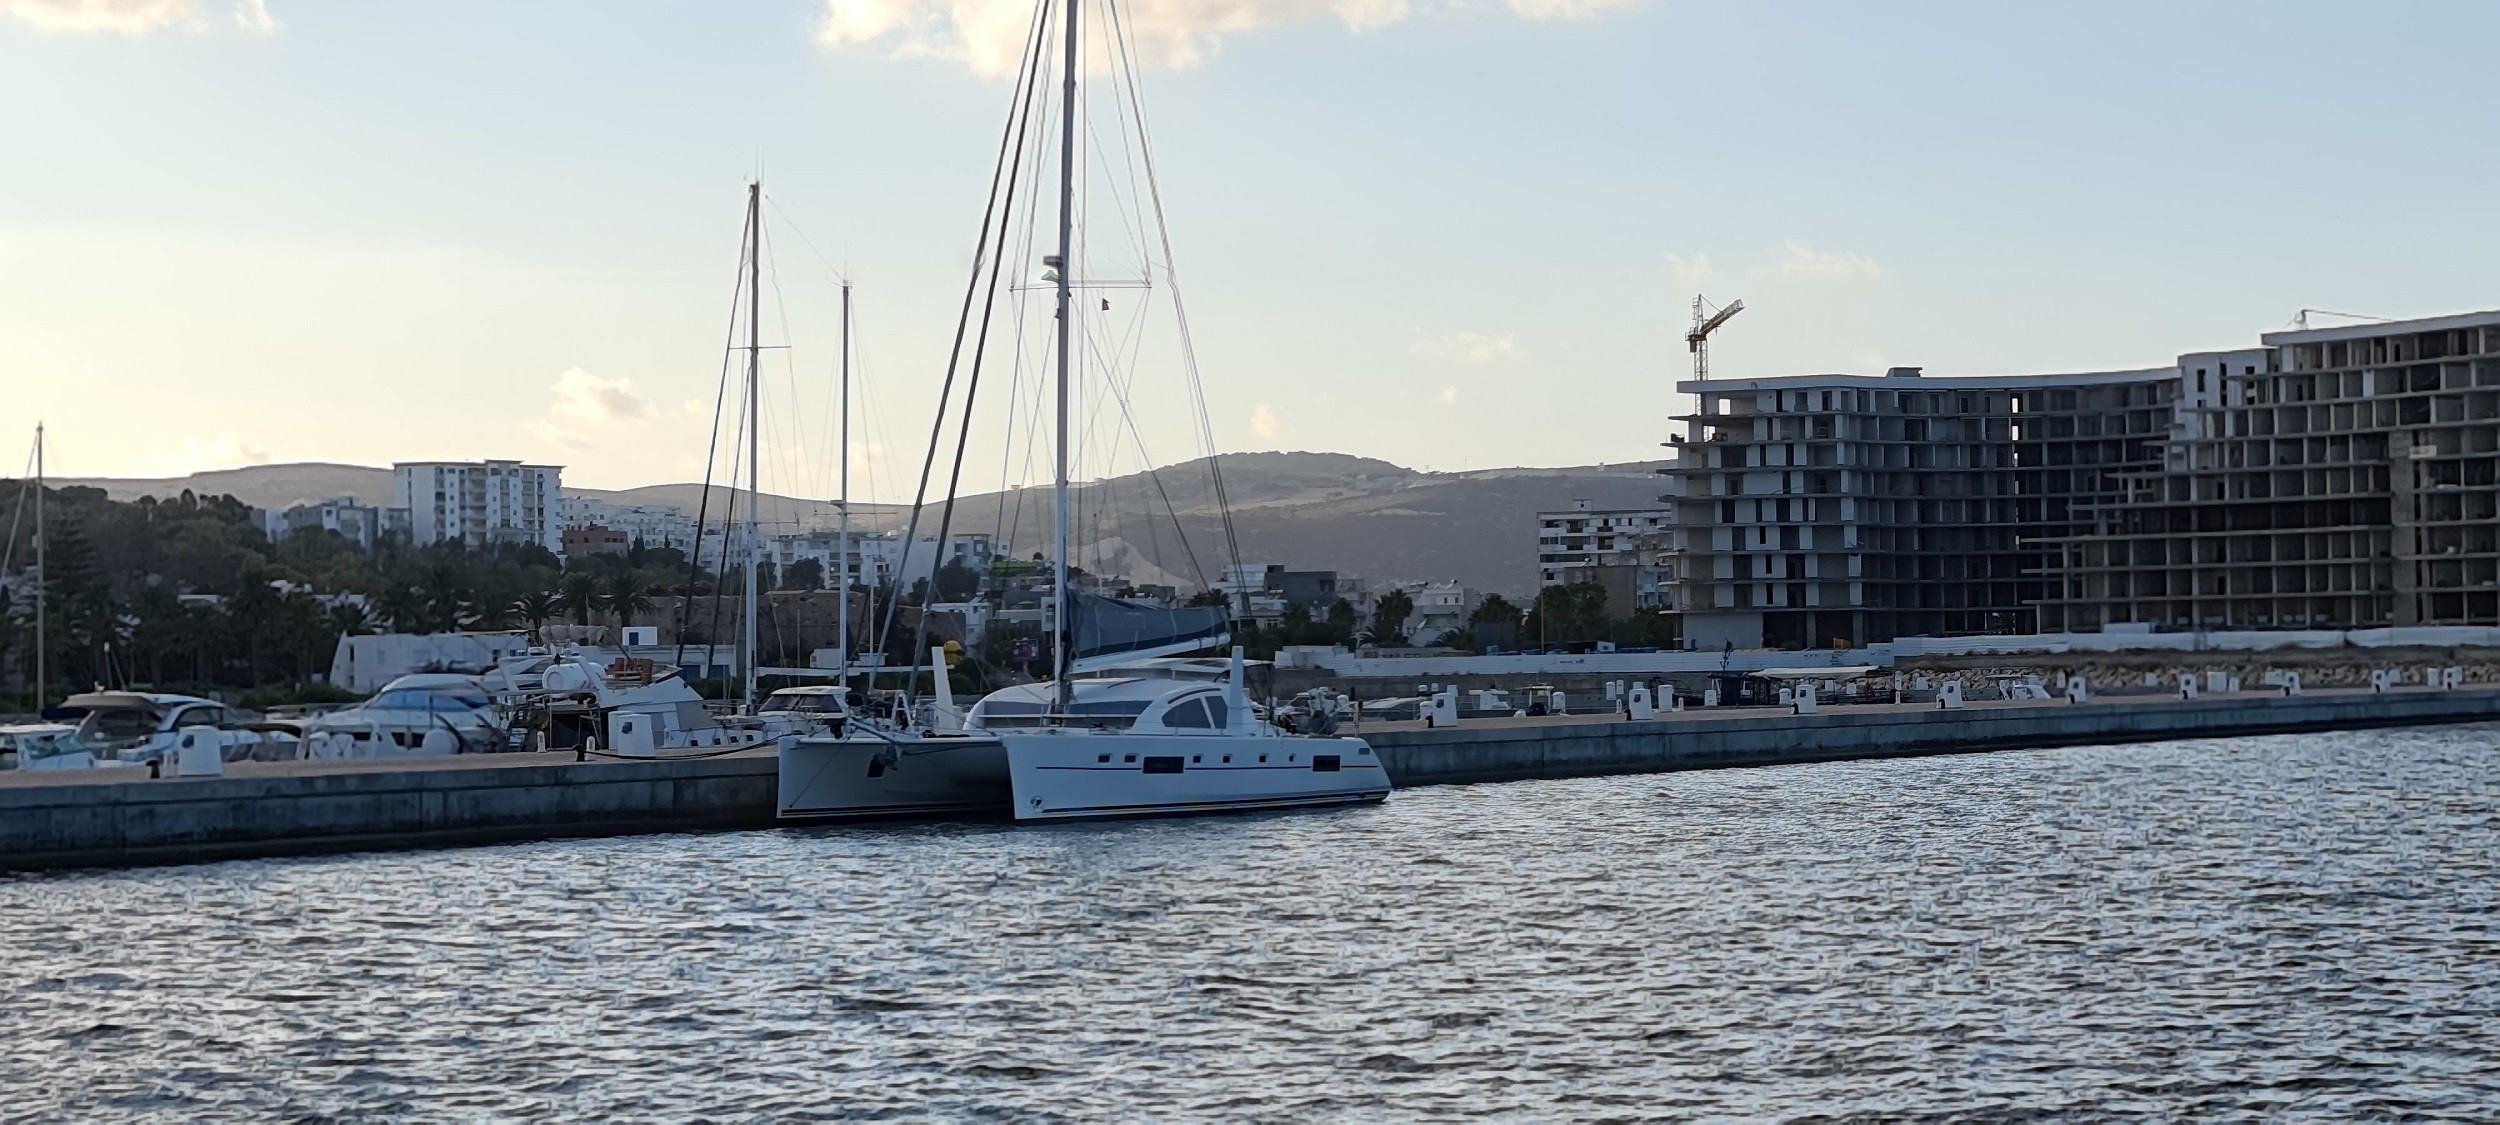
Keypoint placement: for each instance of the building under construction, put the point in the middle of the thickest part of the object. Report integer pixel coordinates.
(2331, 478)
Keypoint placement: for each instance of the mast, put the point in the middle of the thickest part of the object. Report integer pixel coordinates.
(755, 494)
(43, 582)
(842, 549)
(1064, 634)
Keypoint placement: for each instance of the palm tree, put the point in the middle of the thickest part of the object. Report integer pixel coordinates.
(579, 597)
(350, 619)
(404, 608)
(625, 597)
(538, 607)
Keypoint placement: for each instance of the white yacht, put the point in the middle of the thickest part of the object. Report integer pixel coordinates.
(934, 763)
(422, 715)
(1144, 746)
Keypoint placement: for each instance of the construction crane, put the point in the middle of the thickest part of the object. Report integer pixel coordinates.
(1706, 322)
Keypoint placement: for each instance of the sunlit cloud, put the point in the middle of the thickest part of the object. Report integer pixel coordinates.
(1264, 423)
(1449, 396)
(987, 36)
(1806, 260)
(131, 17)
(584, 397)
(1476, 348)
(1689, 273)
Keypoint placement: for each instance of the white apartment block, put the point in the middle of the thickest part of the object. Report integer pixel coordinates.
(652, 525)
(1571, 545)
(480, 503)
(879, 559)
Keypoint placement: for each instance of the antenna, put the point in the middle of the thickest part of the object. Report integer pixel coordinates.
(1706, 322)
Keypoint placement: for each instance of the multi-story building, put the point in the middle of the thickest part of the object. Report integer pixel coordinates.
(652, 525)
(356, 522)
(582, 542)
(2334, 478)
(480, 503)
(1630, 551)
(1827, 509)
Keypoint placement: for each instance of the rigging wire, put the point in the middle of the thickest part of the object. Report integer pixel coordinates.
(711, 451)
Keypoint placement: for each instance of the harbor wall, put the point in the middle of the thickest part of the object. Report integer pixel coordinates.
(1497, 752)
(89, 824)
(121, 823)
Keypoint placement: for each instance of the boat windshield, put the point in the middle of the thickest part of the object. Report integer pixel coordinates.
(1109, 715)
(808, 702)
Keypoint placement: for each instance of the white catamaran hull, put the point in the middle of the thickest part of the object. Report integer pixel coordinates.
(862, 775)
(1067, 774)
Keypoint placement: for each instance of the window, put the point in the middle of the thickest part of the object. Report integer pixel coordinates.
(1188, 714)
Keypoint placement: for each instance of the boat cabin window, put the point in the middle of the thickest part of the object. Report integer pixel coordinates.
(121, 723)
(429, 699)
(1111, 715)
(200, 717)
(1205, 712)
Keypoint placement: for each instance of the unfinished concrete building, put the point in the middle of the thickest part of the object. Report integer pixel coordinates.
(1829, 509)
(2334, 478)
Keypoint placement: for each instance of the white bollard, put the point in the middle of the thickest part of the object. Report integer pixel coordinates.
(1921, 682)
(1709, 697)
(1614, 689)
(2234, 687)
(1949, 696)
(2452, 677)
(2382, 679)
(1561, 704)
(1805, 699)
(1442, 709)
(2187, 685)
(2216, 683)
(2152, 679)
(1638, 706)
(1788, 697)
(200, 752)
(2078, 689)
(2289, 682)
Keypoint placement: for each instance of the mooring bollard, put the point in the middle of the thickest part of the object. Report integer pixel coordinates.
(1949, 696)
(1805, 699)
(2078, 689)
(2290, 683)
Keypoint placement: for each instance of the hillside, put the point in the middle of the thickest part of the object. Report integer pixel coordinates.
(1325, 511)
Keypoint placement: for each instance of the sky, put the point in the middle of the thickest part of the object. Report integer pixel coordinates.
(1447, 233)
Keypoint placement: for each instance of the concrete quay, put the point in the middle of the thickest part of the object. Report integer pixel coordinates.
(111, 818)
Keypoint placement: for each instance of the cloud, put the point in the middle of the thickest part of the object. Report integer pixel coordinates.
(1689, 273)
(570, 441)
(1471, 347)
(1264, 423)
(1566, 9)
(988, 35)
(125, 16)
(131, 17)
(1806, 260)
(1449, 396)
(225, 449)
(584, 397)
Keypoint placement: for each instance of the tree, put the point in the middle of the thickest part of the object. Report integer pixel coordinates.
(1206, 597)
(537, 607)
(955, 581)
(625, 597)
(579, 597)
(805, 574)
(1573, 611)
(1389, 613)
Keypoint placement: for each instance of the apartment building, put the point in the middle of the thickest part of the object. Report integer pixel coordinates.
(2333, 478)
(1825, 510)
(1630, 551)
(652, 525)
(480, 503)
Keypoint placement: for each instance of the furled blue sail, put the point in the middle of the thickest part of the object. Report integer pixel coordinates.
(1110, 631)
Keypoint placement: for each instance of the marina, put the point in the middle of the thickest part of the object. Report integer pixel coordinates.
(113, 817)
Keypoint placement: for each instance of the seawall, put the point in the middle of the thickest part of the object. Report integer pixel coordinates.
(92, 820)
(1512, 750)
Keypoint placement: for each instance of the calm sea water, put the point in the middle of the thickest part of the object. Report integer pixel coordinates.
(2298, 926)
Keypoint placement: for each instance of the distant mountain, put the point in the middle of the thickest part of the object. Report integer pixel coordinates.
(1359, 516)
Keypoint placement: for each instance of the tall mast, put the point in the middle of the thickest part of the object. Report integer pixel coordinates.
(43, 581)
(755, 352)
(842, 549)
(1064, 636)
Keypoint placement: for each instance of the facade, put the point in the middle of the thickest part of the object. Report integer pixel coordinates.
(355, 522)
(481, 503)
(2333, 478)
(581, 542)
(880, 559)
(652, 525)
(1629, 551)
(1829, 510)
(1440, 607)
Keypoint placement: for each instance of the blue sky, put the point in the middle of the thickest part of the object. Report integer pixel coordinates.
(1447, 234)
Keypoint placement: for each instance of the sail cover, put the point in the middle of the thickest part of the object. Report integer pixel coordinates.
(1109, 630)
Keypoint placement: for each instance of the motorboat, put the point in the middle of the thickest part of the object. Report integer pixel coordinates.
(140, 727)
(1128, 746)
(631, 708)
(37, 747)
(423, 715)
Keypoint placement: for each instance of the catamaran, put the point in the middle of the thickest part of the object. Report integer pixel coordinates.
(1087, 742)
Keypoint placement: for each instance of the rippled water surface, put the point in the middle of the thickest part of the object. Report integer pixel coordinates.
(2296, 926)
